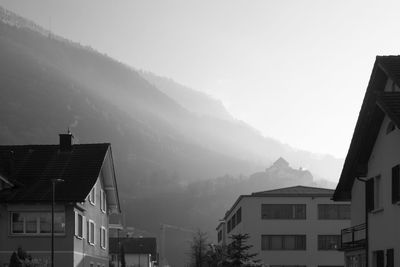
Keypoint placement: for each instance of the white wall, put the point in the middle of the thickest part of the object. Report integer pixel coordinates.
(311, 227)
(384, 230)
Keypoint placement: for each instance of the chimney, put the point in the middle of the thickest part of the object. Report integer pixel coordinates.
(66, 141)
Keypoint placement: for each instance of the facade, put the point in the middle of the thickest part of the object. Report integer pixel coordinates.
(138, 251)
(294, 226)
(85, 194)
(370, 178)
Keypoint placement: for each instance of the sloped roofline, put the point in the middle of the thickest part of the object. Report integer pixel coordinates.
(367, 127)
(114, 177)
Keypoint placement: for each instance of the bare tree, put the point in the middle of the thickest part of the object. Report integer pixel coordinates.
(199, 249)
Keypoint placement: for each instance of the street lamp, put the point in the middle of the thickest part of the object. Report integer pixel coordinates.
(53, 182)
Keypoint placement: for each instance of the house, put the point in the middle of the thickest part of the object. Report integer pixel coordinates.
(294, 226)
(138, 251)
(85, 194)
(370, 178)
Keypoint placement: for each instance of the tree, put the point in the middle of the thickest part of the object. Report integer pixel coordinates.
(198, 249)
(238, 254)
(122, 256)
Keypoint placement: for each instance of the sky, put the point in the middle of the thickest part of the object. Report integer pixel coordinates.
(295, 70)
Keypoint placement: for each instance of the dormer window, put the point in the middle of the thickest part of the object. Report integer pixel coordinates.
(92, 196)
(391, 127)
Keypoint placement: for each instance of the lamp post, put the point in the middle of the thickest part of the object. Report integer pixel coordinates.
(53, 182)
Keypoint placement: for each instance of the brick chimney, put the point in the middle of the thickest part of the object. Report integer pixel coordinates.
(66, 141)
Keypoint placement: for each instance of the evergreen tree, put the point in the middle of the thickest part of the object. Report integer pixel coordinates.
(238, 251)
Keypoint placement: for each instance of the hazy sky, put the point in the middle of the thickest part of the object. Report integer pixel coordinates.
(296, 70)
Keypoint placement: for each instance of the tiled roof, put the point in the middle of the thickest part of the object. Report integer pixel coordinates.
(296, 191)
(135, 245)
(33, 167)
(376, 105)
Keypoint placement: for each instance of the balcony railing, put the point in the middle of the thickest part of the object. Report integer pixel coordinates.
(354, 237)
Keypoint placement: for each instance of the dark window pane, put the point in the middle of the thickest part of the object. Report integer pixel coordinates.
(239, 216)
(45, 223)
(333, 211)
(283, 211)
(328, 242)
(17, 223)
(31, 222)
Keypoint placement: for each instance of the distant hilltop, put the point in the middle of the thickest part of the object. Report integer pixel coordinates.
(280, 174)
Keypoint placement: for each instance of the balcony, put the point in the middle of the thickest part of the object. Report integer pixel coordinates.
(354, 238)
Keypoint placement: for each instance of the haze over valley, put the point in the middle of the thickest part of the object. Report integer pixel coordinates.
(181, 157)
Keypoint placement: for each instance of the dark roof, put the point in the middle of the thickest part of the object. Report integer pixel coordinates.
(296, 191)
(135, 245)
(375, 105)
(33, 167)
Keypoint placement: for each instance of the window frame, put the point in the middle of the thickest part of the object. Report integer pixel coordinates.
(103, 201)
(103, 237)
(91, 225)
(80, 226)
(283, 244)
(323, 242)
(295, 207)
(38, 214)
(339, 212)
(92, 196)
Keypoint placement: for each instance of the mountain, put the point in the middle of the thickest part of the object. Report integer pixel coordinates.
(192, 100)
(166, 145)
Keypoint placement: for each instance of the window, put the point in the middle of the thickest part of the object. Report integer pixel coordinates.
(369, 194)
(91, 232)
(377, 191)
(229, 226)
(395, 184)
(328, 242)
(283, 211)
(37, 223)
(103, 237)
(92, 196)
(283, 242)
(219, 235)
(378, 258)
(390, 258)
(79, 225)
(333, 211)
(233, 219)
(287, 265)
(239, 216)
(103, 204)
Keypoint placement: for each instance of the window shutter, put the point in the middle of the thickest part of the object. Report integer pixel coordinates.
(76, 224)
(395, 184)
(369, 194)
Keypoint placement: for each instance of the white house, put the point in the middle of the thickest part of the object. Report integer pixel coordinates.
(294, 226)
(370, 178)
(83, 200)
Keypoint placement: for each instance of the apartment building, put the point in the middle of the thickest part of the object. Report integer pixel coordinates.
(85, 193)
(370, 178)
(294, 226)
